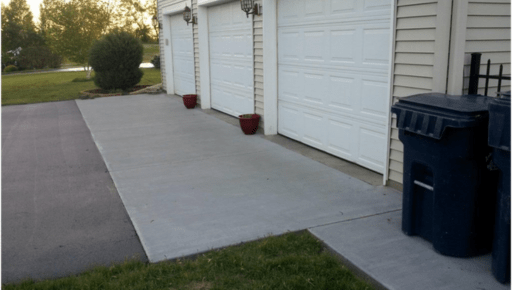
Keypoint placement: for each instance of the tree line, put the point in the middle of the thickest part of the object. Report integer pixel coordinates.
(68, 28)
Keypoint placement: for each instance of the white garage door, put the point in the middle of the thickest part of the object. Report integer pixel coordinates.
(333, 58)
(182, 56)
(231, 59)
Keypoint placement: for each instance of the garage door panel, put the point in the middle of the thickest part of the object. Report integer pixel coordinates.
(362, 47)
(230, 101)
(333, 74)
(292, 41)
(342, 50)
(372, 5)
(372, 147)
(312, 121)
(183, 56)
(291, 121)
(376, 47)
(231, 59)
(372, 103)
(341, 92)
(315, 89)
(231, 75)
(343, 6)
(337, 141)
(322, 11)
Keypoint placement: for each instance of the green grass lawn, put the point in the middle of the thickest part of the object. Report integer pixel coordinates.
(57, 86)
(292, 261)
(149, 52)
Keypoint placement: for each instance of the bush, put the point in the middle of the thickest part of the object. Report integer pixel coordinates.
(7, 59)
(156, 61)
(10, 68)
(82, 80)
(115, 59)
(38, 57)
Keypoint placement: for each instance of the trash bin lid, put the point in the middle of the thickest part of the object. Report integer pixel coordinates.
(499, 122)
(429, 114)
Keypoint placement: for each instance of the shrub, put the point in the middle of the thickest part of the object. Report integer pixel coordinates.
(115, 59)
(7, 59)
(82, 80)
(156, 61)
(10, 68)
(38, 57)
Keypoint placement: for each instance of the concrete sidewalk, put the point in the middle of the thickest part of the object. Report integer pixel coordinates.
(191, 182)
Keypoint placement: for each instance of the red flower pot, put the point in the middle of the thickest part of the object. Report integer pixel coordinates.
(190, 101)
(249, 123)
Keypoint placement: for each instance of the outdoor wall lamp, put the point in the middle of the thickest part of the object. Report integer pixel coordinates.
(249, 7)
(156, 23)
(188, 17)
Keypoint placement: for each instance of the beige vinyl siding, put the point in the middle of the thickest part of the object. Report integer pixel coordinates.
(414, 59)
(488, 32)
(258, 65)
(195, 30)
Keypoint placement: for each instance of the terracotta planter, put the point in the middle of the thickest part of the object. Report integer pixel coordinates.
(249, 123)
(190, 101)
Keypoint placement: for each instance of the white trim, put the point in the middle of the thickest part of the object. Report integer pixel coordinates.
(457, 47)
(204, 56)
(205, 3)
(385, 176)
(169, 67)
(442, 45)
(270, 66)
(176, 8)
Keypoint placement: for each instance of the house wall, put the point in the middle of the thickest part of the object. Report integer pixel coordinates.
(488, 32)
(420, 62)
(421, 59)
(258, 66)
(196, 52)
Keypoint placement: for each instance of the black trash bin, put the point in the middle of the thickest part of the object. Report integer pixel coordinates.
(499, 140)
(448, 192)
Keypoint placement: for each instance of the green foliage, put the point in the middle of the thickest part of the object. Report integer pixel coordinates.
(292, 261)
(10, 68)
(71, 27)
(156, 61)
(131, 16)
(18, 29)
(82, 80)
(38, 58)
(122, 79)
(7, 59)
(116, 59)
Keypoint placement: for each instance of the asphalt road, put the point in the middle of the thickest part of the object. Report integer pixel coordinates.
(61, 213)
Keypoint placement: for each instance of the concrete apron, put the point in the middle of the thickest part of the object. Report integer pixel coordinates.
(191, 183)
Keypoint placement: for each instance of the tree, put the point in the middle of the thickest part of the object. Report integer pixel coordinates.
(18, 29)
(133, 13)
(71, 27)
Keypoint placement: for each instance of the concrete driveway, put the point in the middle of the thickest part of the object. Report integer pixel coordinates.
(61, 213)
(192, 182)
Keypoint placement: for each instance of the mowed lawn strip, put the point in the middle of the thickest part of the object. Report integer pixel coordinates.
(56, 86)
(292, 261)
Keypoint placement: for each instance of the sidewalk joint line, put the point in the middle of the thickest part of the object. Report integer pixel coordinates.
(357, 218)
